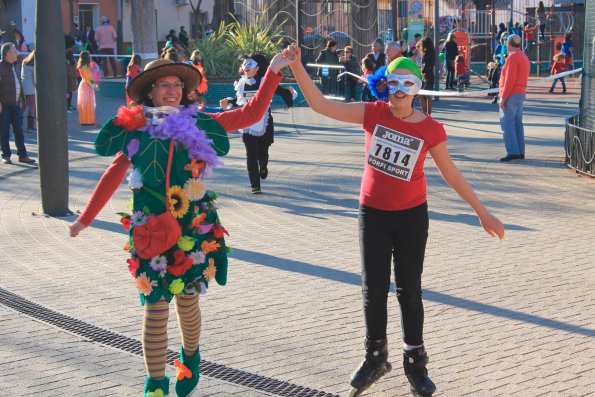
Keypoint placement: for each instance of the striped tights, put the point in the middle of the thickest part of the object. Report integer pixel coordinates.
(154, 335)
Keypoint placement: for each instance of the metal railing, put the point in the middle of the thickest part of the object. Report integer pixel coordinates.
(326, 77)
(579, 144)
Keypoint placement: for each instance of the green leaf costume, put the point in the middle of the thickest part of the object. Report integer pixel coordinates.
(200, 253)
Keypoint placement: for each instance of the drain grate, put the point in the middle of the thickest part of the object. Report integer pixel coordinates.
(130, 345)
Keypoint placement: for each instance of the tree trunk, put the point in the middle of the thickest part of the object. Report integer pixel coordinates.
(50, 77)
(363, 12)
(144, 29)
(220, 13)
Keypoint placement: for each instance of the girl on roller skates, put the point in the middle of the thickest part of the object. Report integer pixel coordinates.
(393, 213)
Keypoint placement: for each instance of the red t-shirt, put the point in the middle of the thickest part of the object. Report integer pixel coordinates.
(461, 68)
(558, 67)
(383, 190)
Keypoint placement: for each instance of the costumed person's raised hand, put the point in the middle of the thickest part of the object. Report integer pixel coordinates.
(76, 228)
(282, 59)
(223, 103)
(296, 52)
(492, 225)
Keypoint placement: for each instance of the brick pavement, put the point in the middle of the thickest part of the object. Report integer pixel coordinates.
(502, 318)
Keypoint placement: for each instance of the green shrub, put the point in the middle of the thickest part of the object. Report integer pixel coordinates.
(221, 49)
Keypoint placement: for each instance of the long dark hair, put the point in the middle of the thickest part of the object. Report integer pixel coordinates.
(261, 60)
(541, 7)
(429, 58)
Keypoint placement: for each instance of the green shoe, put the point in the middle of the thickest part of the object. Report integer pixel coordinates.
(157, 387)
(187, 373)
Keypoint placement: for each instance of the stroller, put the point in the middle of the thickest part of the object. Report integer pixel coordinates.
(463, 81)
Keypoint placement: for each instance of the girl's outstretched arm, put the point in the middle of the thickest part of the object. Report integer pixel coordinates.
(348, 112)
(457, 181)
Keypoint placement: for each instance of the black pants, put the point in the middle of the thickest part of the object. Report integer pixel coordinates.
(350, 88)
(450, 74)
(257, 155)
(400, 236)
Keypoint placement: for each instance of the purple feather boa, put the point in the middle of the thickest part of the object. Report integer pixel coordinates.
(181, 127)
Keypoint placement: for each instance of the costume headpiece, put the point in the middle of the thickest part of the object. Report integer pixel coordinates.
(141, 85)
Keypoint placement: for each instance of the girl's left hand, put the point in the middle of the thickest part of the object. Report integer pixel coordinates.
(492, 225)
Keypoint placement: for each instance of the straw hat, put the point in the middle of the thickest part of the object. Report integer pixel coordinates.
(141, 85)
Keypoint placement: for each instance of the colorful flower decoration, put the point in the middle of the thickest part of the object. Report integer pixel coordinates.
(194, 167)
(378, 85)
(197, 257)
(131, 118)
(135, 179)
(204, 229)
(198, 219)
(125, 223)
(177, 286)
(219, 231)
(157, 393)
(194, 189)
(182, 371)
(181, 264)
(210, 271)
(186, 243)
(144, 284)
(158, 263)
(209, 246)
(133, 265)
(178, 202)
(138, 218)
(132, 147)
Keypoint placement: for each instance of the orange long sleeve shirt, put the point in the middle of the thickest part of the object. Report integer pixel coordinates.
(515, 74)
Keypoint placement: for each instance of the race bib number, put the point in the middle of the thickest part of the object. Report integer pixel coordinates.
(394, 153)
(249, 95)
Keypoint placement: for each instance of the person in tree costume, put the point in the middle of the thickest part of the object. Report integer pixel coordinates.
(176, 239)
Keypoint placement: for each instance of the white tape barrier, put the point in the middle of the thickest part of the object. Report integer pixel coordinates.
(476, 92)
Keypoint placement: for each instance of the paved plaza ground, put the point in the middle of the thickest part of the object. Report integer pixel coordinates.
(503, 318)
